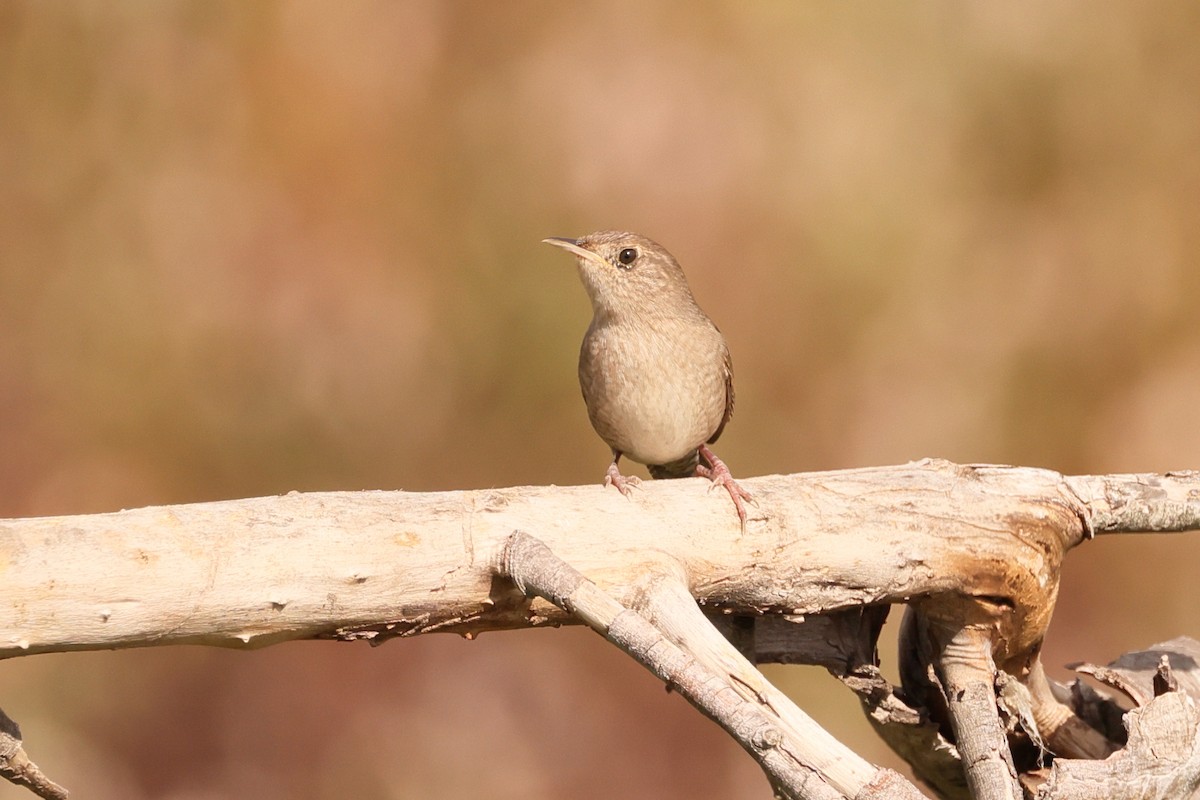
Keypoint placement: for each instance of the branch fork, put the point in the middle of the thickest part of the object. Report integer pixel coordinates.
(664, 630)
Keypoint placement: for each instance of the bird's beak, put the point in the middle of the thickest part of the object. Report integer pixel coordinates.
(572, 246)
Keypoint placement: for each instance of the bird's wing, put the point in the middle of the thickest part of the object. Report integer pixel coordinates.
(727, 368)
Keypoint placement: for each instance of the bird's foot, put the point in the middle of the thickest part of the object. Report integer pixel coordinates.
(719, 474)
(624, 483)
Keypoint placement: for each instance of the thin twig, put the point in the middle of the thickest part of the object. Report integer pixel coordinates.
(16, 767)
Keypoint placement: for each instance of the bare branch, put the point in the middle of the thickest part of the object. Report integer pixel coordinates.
(665, 631)
(1161, 760)
(16, 767)
(668, 604)
(373, 565)
(537, 571)
(967, 548)
(968, 677)
(1065, 733)
(1136, 674)
(1139, 503)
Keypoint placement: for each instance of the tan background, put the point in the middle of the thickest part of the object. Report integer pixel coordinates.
(252, 247)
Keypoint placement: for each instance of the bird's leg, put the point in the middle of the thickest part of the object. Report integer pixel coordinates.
(613, 477)
(718, 473)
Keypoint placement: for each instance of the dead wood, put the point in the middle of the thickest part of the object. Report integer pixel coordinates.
(974, 552)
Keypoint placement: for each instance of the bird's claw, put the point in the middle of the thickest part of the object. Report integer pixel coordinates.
(720, 475)
(737, 494)
(624, 483)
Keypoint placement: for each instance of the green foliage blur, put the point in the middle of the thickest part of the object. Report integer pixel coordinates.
(247, 248)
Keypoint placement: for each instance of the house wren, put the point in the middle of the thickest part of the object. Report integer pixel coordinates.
(655, 371)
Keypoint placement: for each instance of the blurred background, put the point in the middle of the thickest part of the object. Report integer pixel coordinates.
(247, 248)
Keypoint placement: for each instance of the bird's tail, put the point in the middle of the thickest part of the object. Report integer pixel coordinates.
(682, 468)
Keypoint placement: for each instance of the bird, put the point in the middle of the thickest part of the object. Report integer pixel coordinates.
(655, 371)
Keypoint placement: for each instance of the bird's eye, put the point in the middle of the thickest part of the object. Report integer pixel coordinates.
(627, 256)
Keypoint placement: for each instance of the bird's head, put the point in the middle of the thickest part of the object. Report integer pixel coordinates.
(626, 273)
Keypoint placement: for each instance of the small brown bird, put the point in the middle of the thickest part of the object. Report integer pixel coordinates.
(655, 371)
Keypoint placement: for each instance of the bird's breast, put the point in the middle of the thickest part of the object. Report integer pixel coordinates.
(653, 393)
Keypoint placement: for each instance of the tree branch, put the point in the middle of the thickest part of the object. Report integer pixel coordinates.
(16, 767)
(1163, 732)
(373, 565)
(536, 571)
(968, 548)
(968, 679)
(1138, 503)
